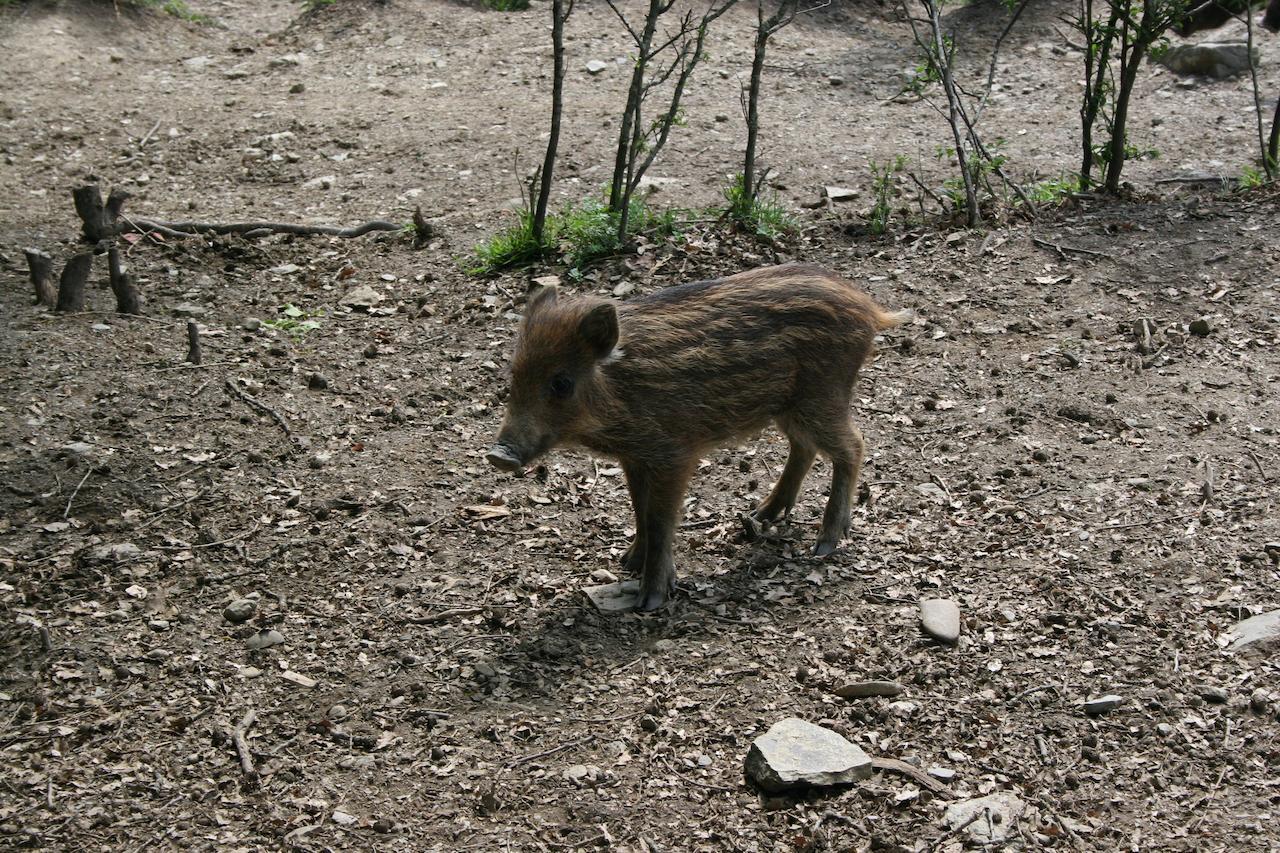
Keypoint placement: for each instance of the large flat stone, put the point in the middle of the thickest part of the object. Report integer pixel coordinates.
(989, 819)
(1261, 631)
(798, 754)
(614, 597)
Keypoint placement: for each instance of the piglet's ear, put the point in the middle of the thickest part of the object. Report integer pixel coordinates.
(544, 296)
(599, 329)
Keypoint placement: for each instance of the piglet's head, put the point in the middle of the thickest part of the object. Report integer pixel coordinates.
(561, 344)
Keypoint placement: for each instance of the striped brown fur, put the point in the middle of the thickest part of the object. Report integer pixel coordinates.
(658, 381)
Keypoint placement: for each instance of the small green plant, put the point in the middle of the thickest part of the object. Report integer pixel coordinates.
(315, 5)
(580, 234)
(762, 215)
(514, 246)
(295, 321)
(1252, 178)
(505, 5)
(1054, 189)
(176, 8)
(882, 186)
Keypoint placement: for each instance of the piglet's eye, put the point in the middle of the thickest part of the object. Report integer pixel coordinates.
(561, 386)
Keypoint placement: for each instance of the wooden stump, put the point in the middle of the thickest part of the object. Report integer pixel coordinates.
(41, 266)
(127, 299)
(75, 275)
(99, 220)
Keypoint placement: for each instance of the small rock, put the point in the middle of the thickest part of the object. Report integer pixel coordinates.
(324, 182)
(1213, 693)
(298, 678)
(721, 118)
(1002, 810)
(841, 193)
(1102, 704)
(361, 298)
(118, 552)
(383, 825)
(595, 66)
(1199, 328)
(835, 80)
(265, 639)
(1260, 701)
(284, 269)
(343, 818)
(863, 689)
(623, 288)
(794, 753)
(940, 619)
(614, 597)
(942, 774)
(317, 382)
(186, 309)
(582, 774)
(604, 576)
(240, 611)
(1211, 59)
(371, 351)
(338, 713)
(1261, 632)
(198, 63)
(297, 88)
(251, 324)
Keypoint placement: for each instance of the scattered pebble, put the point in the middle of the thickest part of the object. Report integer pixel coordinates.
(841, 193)
(361, 298)
(794, 753)
(595, 66)
(1102, 704)
(187, 309)
(1260, 701)
(240, 611)
(942, 774)
(614, 597)
(940, 619)
(298, 678)
(1213, 693)
(582, 774)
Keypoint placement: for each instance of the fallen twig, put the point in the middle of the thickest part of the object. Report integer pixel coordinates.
(255, 403)
(516, 762)
(242, 744)
(67, 512)
(187, 229)
(1062, 250)
(917, 775)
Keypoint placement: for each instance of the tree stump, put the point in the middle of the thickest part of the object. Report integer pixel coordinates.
(193, 342)
(99, 220)
(75, 275)
(127, 299)
(41, 266)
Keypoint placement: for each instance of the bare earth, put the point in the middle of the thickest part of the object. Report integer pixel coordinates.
(1100, 515)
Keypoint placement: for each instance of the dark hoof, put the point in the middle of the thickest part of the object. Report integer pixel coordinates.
(654, 599)
(822, 549)
(501, 457)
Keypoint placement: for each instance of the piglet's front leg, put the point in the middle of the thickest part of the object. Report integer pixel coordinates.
(665, 494)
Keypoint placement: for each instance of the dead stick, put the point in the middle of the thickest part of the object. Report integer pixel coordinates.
(41, 266)
(193, 342)
(175, 228)
(1062, 250)
(66, 512)
(242, 745)
(919, 776)
(259, 405)
(516, 762)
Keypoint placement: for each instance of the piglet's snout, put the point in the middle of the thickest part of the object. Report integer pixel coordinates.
(501, 457)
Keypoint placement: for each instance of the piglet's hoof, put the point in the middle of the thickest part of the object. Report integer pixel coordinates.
(653, 599)
(822, 549)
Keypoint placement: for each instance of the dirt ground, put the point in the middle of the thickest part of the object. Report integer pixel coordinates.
(1101, 515)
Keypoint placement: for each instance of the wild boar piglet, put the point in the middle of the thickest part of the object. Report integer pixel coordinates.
(658, 381)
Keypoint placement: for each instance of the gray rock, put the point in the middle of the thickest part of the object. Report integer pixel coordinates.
(1200, 328)
(265, 639)
(240, 611)
(1102, 704)
(186, 309)
(989, 819)
(595, 66)
(841, 193)
(1261, 631)
(324, 182)
(863, 689)
(940, 619)
(1213, 693)
(251, 324)
(1211, 59)
(117, 552)
(582, 774)
(362, 298)
(795, 754)
(623, 288)
(614, 597)
(942, 774)
(317, 382)
(1260, 701)
(198, 63)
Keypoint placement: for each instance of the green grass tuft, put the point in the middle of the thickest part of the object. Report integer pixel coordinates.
(762, 216)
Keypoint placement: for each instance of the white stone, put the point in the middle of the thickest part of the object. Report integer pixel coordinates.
(940, 619)
(795, 754)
